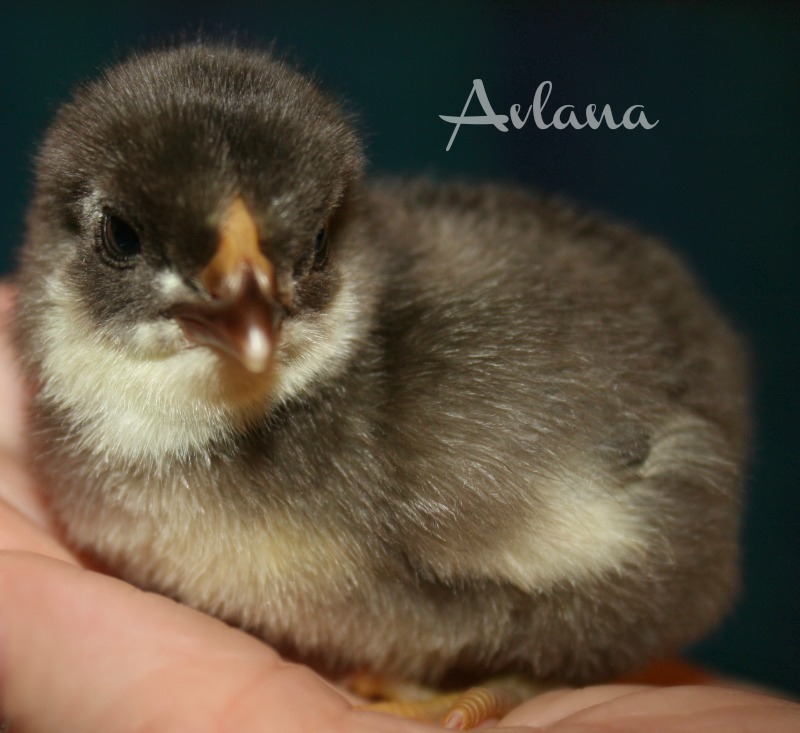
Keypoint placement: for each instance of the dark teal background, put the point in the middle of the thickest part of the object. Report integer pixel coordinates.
(719, 176)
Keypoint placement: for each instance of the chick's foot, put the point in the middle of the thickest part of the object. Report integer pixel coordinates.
(455, 710)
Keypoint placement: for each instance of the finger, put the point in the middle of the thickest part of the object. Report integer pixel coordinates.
(625, 709)
(18, 533)
(16, 486)
(11, 389)
(18, 492)
(560, 704)
(108, 657)
(24, 523)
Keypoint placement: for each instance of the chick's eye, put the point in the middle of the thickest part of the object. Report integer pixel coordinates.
(321, 249)
(120, 240)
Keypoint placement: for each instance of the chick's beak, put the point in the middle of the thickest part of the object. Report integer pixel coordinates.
(243, 317)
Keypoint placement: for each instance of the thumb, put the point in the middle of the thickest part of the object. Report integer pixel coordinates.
(84, 652)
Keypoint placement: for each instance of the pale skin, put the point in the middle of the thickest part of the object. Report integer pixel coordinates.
(85, 652)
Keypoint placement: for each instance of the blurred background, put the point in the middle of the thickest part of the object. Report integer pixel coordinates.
(719, 176)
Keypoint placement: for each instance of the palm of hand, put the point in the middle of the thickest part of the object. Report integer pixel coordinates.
(82, 651)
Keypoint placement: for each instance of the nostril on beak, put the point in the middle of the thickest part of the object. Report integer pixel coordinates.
(238, 257)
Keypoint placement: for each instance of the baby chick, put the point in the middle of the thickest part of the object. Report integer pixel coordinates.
(433, 431)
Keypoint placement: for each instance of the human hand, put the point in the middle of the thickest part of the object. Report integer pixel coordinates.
(84, 652)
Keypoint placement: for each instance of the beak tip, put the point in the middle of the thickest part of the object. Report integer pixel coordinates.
(256, 351)
(229, 333)
(255, 365)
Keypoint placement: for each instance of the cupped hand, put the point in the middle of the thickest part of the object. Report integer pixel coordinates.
(82, 652)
